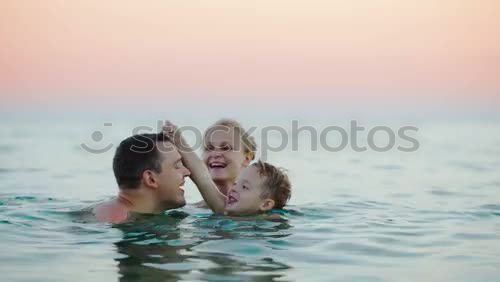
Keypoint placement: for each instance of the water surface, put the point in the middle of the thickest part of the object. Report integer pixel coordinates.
(433, 214)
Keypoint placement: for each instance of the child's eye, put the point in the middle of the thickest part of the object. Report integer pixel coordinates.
(226, 148)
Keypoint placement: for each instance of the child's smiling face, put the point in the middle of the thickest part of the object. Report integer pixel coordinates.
(246, 196)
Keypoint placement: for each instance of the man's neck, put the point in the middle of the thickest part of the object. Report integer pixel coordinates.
(138, 202)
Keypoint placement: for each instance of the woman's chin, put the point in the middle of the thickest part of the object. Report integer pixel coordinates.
(219, 175)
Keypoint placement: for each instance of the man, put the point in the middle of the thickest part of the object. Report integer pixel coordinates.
(150, 175)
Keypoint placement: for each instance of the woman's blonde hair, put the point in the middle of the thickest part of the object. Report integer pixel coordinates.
(226, 124)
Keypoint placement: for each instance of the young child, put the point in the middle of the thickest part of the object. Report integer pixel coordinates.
(260, 188)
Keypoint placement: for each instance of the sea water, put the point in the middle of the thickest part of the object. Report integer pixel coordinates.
(432, 214)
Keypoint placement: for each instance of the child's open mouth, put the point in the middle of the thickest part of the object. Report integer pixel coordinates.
(231, 199)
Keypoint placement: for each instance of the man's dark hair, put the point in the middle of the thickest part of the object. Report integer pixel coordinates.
(134, 155)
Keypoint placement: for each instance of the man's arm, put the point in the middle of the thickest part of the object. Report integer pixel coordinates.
(199, 172)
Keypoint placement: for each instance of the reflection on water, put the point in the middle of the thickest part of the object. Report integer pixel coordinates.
(165, 248)
(346, 240)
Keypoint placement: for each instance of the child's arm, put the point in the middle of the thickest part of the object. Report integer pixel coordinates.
(199, 172)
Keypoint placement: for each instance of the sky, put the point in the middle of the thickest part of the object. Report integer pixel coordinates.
(329, 52)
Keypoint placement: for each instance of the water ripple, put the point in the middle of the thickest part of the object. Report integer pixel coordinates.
(193, 244)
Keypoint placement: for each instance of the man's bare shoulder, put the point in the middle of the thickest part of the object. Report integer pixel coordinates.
(111, 212)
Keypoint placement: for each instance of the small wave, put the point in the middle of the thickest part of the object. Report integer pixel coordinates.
(7, 148)
(368, 250)
(388, 167)
(442, 193)
(20, 170)
(475, 236)
(468, 165)
(488, 210)
(5, 170)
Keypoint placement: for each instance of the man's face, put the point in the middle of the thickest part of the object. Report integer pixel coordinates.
(171, 177)
(224, 155)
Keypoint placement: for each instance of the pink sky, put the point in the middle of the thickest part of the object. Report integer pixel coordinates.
(302, 50)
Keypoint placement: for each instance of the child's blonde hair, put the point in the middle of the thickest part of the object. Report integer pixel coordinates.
(277, 185)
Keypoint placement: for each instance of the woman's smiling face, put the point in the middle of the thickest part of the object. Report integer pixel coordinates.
(224, 155)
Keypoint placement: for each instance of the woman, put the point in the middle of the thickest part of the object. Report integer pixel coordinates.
(228, 149)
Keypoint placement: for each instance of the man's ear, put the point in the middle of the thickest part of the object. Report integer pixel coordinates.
(267, 204)
(150, 179)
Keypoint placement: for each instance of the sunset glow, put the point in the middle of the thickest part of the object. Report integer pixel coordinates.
(300, 49)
